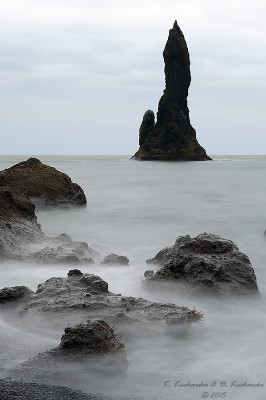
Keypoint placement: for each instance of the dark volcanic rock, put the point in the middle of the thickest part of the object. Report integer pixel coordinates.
(91, 352)
(70, 289)
(58, 255)
(11, 389)
(115, 259)
(75, 272)
(80, 296)
(172, 137)
(21, 237)
(14, 293)
(167, 253)
(146, 126)
(207, 264)
(18, 225)
(91, 337)
(58, 251)
(44, 185)
(87, 351)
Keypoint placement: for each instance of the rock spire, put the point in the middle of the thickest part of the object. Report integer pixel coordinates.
(172, 137)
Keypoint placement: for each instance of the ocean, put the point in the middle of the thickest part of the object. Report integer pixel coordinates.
(135, 209)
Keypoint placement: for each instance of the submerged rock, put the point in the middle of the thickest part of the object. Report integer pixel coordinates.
(59, 251)
(172, 137)
(58, 255)
(207, 264)
(87, 351)
(44, 185)
(115, 259)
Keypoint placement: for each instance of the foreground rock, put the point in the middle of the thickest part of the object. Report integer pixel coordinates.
(207, 264)
(82, 296)
(44, 185)
(172, 137)
(91, 337)
(11, 389)
(90, 355)
(115, 259)
(22, 239)
(92, 349)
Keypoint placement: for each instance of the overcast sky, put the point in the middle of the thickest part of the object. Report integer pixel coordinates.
(77, 75)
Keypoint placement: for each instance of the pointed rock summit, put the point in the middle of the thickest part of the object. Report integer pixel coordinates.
(172, 137)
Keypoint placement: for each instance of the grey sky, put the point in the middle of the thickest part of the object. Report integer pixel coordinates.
(77, 76)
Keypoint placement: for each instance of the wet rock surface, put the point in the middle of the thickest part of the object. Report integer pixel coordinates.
(11, 389)
(91, 353)
(22, 238)
(205, 264)
(93, 349)
(172, 137)
(115, 259)
(14, 293)
(18, 225)
(82, 296)
(91, 337)
(72, 253)
(44, 185)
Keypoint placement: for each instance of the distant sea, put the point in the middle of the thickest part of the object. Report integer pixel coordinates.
(137, 208)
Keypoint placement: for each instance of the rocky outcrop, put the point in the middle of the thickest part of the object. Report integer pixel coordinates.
(87, 351)
(82, 296)
(205, 264)
(22, 239)
(14, 293)
(58, 250)
(91, 354)
(44, 185)
(18, 225)
(172, 137)
(115, 259)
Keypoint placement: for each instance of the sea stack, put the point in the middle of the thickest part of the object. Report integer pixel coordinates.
(172, 137)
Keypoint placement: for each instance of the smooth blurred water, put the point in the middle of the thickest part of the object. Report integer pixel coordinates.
(137, 208)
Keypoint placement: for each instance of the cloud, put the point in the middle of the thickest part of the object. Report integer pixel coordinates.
(91, 68)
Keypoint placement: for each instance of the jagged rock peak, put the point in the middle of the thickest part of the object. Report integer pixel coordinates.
(146, 126)
(172, 137)
(176, 26)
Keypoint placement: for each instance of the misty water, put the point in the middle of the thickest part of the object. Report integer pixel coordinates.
(136, 209)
